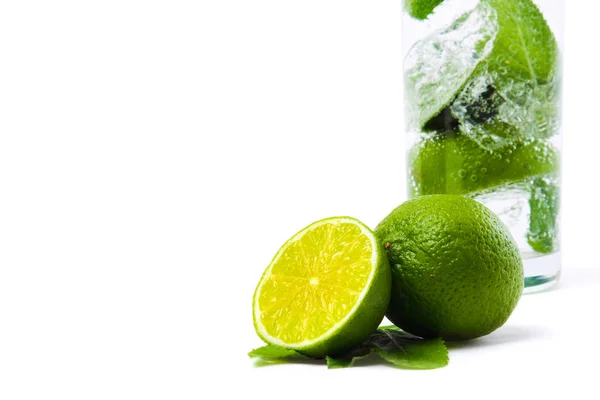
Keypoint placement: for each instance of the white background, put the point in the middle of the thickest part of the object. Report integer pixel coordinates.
(155, 154)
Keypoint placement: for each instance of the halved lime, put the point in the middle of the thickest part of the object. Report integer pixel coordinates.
(325, 291)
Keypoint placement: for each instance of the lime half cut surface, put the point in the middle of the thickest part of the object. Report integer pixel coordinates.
(325, 291)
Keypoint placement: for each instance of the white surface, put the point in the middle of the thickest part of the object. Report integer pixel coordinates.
(155, 154)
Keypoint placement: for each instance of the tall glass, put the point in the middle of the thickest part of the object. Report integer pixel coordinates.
(483, 114)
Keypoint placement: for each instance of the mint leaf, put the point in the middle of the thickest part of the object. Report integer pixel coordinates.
(390, 343)
(525, 48)
(437, 67)
(544, 206)
(271, 352)
(407, 351)
(421, 9)
(399, 348)
(347, 360)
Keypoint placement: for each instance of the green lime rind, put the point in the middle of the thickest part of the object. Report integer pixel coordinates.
(421, 9)
(437, 67)
(456, 164)
(362, 319)
(441, 287)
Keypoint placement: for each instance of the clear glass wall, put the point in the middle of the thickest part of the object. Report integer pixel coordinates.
(483, 114)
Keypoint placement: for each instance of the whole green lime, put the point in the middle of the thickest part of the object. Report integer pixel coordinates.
(456, 270)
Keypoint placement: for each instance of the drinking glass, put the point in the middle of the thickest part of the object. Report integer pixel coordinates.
(482, 97)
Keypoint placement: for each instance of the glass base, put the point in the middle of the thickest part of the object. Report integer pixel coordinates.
(541, 272)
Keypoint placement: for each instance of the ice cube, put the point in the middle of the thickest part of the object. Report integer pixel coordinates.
(494, 112)
(437, 67)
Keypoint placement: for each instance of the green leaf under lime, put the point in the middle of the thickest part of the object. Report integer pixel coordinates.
(399, 348)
